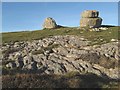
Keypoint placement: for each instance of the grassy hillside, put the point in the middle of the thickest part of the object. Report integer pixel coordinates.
(107, 35)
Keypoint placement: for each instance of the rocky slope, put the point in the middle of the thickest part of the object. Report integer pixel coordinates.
(62, 54)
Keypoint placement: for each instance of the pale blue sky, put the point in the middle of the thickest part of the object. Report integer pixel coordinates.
(23, 16)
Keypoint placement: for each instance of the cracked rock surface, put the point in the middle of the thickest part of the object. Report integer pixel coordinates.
(62, 54)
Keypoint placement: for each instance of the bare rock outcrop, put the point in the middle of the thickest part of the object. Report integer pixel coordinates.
(63, 54)
(89, 18)
(90, 14)
(49, 23)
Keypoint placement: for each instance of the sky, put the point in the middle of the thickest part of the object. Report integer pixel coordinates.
(24, 16)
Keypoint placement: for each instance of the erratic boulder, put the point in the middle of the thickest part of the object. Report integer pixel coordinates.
(49, 23)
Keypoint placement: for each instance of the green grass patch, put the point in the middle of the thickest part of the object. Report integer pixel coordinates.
(107, 35)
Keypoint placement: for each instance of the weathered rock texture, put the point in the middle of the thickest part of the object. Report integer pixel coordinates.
(90, 14)
(89, 18)
(63, 54)
(49, 23)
